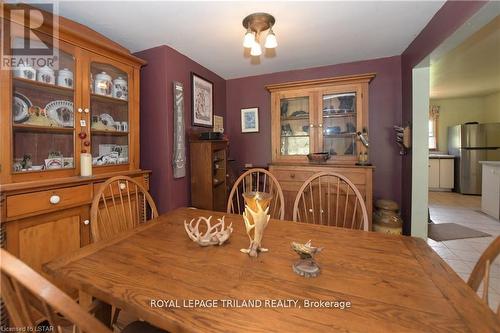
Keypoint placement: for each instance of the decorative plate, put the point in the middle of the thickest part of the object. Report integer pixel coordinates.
(107, 119)
(61, 111)
(20, 108)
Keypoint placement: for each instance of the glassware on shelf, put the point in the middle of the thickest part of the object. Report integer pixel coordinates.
(43, 117)
(339, 124)
(295, 126)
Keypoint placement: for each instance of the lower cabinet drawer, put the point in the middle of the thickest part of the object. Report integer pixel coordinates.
(115, 187)
(358, 178)
(46, 201)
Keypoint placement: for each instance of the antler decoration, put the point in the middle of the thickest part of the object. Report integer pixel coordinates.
(260, 220)
(215, 234)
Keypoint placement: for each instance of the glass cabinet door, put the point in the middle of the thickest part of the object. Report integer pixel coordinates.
(43, 121)
(109, 114)
(339, 124)
(295, 126)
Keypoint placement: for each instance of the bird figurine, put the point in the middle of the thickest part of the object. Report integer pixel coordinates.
(306, 251)
(306, 266)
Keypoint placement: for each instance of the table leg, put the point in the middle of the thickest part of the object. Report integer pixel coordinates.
(102, 312)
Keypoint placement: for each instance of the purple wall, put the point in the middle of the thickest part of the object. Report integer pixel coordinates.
(166, 65)
(384, 108)
(448, 19)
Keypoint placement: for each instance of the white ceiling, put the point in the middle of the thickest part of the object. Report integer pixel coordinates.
(309, 34)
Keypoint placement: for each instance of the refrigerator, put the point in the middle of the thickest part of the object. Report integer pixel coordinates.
(471, 143)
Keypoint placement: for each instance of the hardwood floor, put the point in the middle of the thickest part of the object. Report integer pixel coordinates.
(462, 254)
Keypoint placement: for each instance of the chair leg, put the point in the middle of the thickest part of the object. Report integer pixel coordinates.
(115, 312)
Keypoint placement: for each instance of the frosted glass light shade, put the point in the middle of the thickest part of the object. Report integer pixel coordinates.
(271, 41)
(256, 50)
(249, 39)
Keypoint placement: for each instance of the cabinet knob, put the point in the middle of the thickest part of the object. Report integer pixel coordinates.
(311, 125)
(320, 125)
(80, 110)
(292, 175)
(55, 199)
(122, 186)
(86, 222)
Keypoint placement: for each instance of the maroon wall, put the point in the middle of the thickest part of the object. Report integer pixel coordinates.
(448, 19)
(166, 65)
(384, 108)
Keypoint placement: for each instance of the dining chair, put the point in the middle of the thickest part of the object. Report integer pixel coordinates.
(28, 297)
(257, 180)
(481, 272)
(120, 204)
(329, 198)
(31, 300)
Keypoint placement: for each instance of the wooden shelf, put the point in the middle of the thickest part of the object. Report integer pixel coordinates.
(296, 136)
(44, 170)
(340, 115)
(108, 99)
(105, 132)
(294, 118)
(25, 83)
(339, 135)
(41, 129)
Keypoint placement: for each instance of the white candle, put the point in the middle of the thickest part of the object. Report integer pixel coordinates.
(86, 165)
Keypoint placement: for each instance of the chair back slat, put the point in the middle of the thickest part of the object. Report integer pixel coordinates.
(481, 272)
(25, 292)
(259, 180)
(120, 204)
(331, 199)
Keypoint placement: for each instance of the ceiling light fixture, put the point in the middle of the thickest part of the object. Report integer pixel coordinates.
(255, 24)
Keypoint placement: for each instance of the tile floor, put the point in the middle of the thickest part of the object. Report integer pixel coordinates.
(462, 254)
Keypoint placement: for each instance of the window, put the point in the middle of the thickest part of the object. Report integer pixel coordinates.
(433, 126)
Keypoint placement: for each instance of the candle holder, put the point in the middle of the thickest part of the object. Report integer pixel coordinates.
(256, 218)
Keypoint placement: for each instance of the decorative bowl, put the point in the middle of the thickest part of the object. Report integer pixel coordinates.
(318, 157)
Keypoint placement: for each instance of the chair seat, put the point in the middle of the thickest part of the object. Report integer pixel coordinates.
(141, 327)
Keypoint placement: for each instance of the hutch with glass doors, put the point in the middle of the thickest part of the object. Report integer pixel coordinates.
(85, 102)
(320, 116)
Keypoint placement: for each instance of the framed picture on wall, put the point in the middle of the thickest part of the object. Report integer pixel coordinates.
(250, 120)
(202, 101)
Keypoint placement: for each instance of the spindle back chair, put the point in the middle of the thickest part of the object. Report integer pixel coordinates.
(120, 204)
(329, 198)
(481, 272)
(257, 180)
(28, 296)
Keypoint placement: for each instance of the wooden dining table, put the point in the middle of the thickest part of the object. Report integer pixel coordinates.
(369, 282)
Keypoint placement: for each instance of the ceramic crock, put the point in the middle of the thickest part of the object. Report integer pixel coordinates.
(46, 75)
(120, 89)
(102, 84)
(386, 218)
(65, 78)
(25, 72)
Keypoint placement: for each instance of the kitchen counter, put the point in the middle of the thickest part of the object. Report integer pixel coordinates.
(490, 192)
(431, 156)
(492, 163)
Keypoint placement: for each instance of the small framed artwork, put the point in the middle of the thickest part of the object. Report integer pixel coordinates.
(202, 101)
(250, 120)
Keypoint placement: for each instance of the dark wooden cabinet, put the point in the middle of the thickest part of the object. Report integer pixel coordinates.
(209, 174)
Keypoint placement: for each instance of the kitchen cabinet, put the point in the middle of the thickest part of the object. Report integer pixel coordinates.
(441, 174)
(490, 195)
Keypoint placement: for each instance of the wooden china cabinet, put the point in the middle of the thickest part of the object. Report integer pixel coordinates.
(320, 116)
(88, 103)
